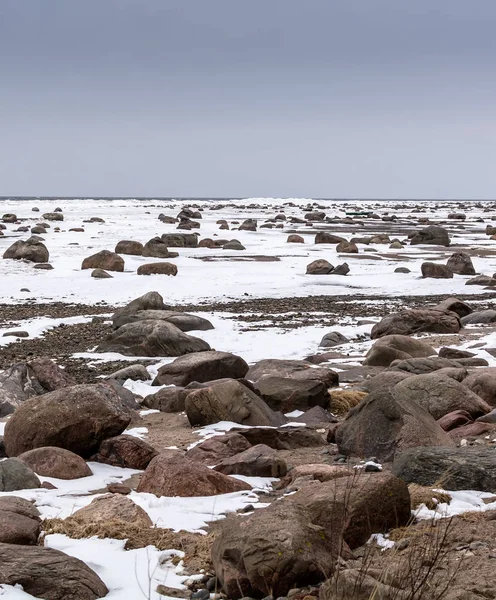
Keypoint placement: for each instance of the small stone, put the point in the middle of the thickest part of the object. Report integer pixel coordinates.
(247, 508)
(201, 595)
(20, 334)
(477, 545)
(372, 468)
(402, 544)
(25, 290)
(212, 584)
(164, 590)
(119, 488)
(48, 486)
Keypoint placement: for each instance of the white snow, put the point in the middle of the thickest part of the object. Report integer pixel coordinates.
(461, 502)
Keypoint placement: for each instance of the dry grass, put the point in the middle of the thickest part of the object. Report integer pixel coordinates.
(195, 546)
(341, 401)
(425, 495)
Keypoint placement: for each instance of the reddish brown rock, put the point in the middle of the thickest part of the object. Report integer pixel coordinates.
(51, 461)
(125, 451)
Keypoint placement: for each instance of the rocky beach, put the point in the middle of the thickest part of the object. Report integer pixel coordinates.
(251, 398)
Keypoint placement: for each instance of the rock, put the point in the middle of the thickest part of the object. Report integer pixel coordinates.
(333, 338)
(125, 451)
(171, 474)
(402, 270)
(43, 267)
(384, 426)
(307, 531)
(76, 418)
(422, 366)
(417, 320)
(457, 468)
(393, 347)
(106, 260)
(15, 475)
(454, 353)
(432, 235)
(436, 271)
(151, 338)
(480, 316)
(295, 239)
(184, 321)
(149, 301)
(454, 305)
(129, 247)
(440, 395)
(483, 383)
(343, 269)
(346, 248)
(257, 461)
(485, 280)
(285, 394)
(31, 250)
(54, 216)
(229, 401)
(315, 416)
(248, 225)
(454, 419)
(323, 237)
(489, 418)
(180, 240)
(100, 274)
(159, 268)
(49, 574)
(201, 367)
(461, 263)
(18, 334)
(55, 462)
(295, 369)
(384, 380)
(19, 521)
(315, 216)
(233, 245)
(135, 372)
(218, 448)
(313, 472)
(9, 218)
(358, 584)
(319, 267)
(168, 400)
(157, 248)
(472, 430)
(112, 507)
(287, 438)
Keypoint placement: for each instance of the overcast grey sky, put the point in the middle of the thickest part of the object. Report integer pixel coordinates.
(323, 98)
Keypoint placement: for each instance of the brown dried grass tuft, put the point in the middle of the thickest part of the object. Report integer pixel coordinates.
(341, 401)
(420, 494)
(195, 546)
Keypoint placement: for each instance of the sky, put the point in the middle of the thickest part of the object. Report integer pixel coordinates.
(231, 98)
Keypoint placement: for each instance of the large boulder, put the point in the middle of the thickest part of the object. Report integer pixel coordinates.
(50, 461)
(333, 338)
(347, 248)
(218, 447)
(25, 380)
(417, 320)
(149, 301)
(480, 316)
(230, 401)
(15, 475)
(151, 338)
(129, 247)
(172, 474)
(76, 418)
(157, 248)
(184, 321)
(319, 267)
(450, 468)
(483, 383)
(436, 271)
(112, 507)
(285, 438)
(324, 237)
(257, 461)
(394, 347)
(169, 399)
(201, 367)
(158, 268)
(432, 235)
(285, 394)
(422, 366)
(461, 263)
(20, 521)
(180, 240)
(454, 305)
(384, 426)
(439, 395)
(49, 574)
(106, 260)
(32, 250)
(125, 451)
(298, 540)
(294, 369)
